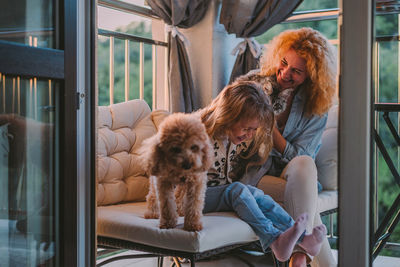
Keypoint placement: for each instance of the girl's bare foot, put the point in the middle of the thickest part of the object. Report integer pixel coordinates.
(284, 244)
(312, 243)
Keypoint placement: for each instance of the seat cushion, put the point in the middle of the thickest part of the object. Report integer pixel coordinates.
(326, 160)
(327, 200)
(126, 222)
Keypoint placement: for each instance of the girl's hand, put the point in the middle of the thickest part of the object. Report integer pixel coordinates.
(278, 140)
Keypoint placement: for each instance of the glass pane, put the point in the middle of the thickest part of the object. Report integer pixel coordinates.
(27, 171)
(28, 22)
(317, 5)
(386, 86)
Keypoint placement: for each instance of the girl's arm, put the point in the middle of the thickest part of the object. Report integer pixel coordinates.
(279, 140)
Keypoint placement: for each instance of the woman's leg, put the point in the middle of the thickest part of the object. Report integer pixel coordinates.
(301, 192)
(301, 196)
(296, 190)
(325, 257)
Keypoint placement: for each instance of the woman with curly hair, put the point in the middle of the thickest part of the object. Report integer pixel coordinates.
(301, 66)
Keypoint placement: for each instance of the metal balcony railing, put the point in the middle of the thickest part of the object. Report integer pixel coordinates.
(129, 38)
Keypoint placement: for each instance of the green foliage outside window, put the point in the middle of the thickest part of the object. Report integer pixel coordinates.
(103, 57)
(386, 89)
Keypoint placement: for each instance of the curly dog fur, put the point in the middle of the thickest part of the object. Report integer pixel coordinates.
(177, 159)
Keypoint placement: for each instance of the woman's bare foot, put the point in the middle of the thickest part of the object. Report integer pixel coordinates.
(284, 244)
(312, 243)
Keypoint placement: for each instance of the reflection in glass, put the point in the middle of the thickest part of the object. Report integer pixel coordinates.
(28, 22)
(27, 174)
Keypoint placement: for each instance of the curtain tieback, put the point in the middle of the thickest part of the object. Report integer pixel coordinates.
(255, 47)
(174, 32)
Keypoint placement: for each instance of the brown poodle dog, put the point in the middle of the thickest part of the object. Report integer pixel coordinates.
(177, 159)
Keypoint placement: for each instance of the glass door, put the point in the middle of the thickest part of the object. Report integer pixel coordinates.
(39, 115)
(385, 160)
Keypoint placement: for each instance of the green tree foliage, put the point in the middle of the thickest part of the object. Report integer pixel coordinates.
(141, 29)
(327, 27)
(307, 5)
(386, 91)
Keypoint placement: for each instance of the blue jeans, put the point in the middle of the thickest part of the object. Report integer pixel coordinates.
(266, 217)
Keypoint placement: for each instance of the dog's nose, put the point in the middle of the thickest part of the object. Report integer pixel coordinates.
(186, 165)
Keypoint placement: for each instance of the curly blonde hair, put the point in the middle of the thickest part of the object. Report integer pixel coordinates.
(321, 64)
(238, 101)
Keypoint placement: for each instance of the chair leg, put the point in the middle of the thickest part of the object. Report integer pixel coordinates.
(160, 261)
(278, 263)
(192, 263)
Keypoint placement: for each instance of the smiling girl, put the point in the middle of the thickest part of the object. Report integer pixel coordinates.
(240, 122)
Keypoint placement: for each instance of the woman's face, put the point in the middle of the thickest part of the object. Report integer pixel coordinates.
(243, 130)
(291, 71)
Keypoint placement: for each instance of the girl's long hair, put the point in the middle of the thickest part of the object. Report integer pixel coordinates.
(238, 101)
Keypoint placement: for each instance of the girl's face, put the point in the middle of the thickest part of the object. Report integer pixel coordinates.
(243, 130)
(291, 71)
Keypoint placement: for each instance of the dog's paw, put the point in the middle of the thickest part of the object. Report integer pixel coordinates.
(181, 212)
(167, 224)
(193, 227)
(150, 215)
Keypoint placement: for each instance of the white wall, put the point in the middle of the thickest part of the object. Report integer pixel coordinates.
(209, 54)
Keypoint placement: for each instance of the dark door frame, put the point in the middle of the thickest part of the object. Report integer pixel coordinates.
(62, 64)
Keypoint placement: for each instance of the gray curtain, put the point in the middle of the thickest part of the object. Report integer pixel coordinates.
(250, 18)
(182, 14)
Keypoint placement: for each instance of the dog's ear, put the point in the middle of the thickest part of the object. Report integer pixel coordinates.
(157, 159)
(150, 154)
(208, 153)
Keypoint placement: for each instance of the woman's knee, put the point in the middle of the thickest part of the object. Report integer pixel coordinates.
(301, 169)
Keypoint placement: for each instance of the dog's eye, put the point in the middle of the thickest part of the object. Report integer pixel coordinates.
(175, 150)
(194, 148)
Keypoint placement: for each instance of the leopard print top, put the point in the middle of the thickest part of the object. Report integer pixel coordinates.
(225, 154)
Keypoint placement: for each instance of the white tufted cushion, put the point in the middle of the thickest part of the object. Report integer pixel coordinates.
(121, 129)
(326, 159)
(327, 200)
